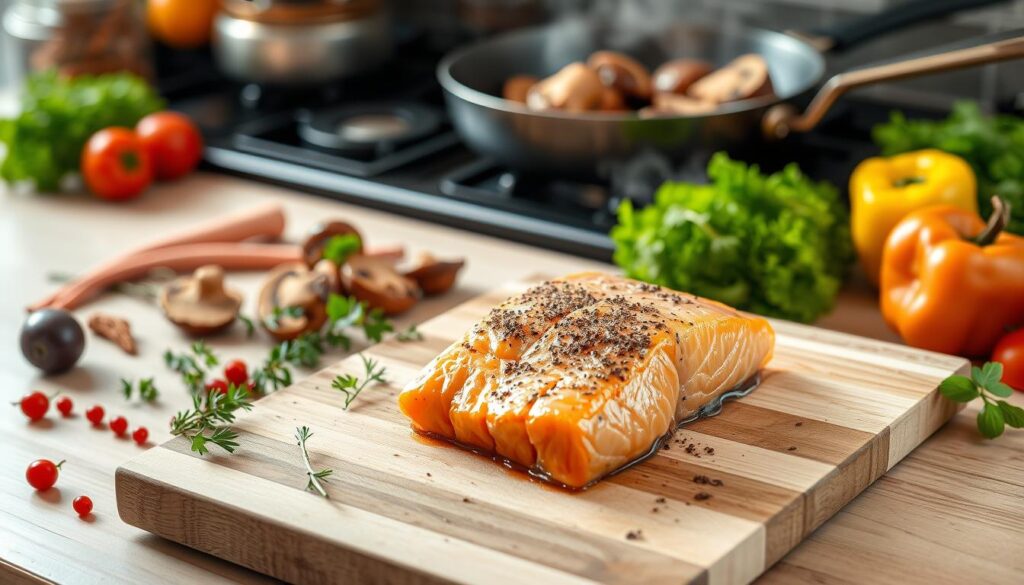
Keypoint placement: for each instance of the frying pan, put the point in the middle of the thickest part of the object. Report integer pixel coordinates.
(593, 143)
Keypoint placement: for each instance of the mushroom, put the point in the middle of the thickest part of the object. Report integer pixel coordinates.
(744, 77)
(199, 303)
(434, 276)
(313, 248)
(670, 104)
(678, 75)
(621, 72)
(294, 285)
(576, 88)
(517, 86)
(612, 101)
(378, 283)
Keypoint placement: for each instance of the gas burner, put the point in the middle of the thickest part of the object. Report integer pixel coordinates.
(361, 128)
(359, 140)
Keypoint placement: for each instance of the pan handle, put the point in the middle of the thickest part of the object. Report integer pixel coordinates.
(848, 34)
(782, 119)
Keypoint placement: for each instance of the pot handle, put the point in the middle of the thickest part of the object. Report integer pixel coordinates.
(847, 34)
(782, 119)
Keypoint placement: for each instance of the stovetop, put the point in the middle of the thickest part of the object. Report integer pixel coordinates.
(398, 152)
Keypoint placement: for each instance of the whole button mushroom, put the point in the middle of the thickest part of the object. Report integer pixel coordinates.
(576, 88)
(378, 283)
(199, 304)
(293, 300)
(744, 77)
(678, 75)
(622, 72)
(517, 86)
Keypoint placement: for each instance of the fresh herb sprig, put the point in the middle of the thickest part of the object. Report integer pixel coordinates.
(192, 366)
(352, 386)
(339, 248)
(147, 390)
(302, 435)
(986, 383)
(274, 374)
(208, 420)
(273, 320)
(409, 334)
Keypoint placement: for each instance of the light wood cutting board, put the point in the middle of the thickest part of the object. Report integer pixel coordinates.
(833, 414)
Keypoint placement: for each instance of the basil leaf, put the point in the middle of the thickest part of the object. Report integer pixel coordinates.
(959, 388)
(991, 374)
(1000, 389)
(1013, 415)
(990, 421)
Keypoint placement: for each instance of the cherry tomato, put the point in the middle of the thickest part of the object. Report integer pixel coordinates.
(119, 425)
(64, 405)
(95, 414)
(236, 372)
(218, 385)
(34, 405)
(1010, 352)
(42, 474)
(174, 144)
(115, 165)
(140, 435)
(82, 505)
(182, 24)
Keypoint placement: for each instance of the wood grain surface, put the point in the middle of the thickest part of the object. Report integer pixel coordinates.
(950, 512)
(833, 414)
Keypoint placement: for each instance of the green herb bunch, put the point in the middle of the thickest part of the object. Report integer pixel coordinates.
(992, 145)
(58, 115)
(986, 383)
(778, 244)
(208, 420)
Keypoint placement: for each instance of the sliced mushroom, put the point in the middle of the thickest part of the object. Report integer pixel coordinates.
(744, 77)
(678, 75)
(199, 303)
(622, 72)
(332, 272)
(576, 88)
(378, 283)
(670, 104)
(516, 87)
(293, 285)
(313, 248)
(435, 276)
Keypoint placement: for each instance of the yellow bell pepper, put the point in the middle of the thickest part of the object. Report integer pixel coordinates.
(884, 190)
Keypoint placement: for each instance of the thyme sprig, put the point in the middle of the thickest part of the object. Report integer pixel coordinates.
(409, 334)
(208, 420)
(352, 386)
(148, 391)
(303, 434)
(192, 366)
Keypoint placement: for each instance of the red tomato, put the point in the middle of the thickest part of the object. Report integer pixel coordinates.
(115, 165)
(236, 372)
(34, 405)
(64, 405)
(174, 143)
(217, 385)
(42, 474)
(140, 435)
(119, 425)
(1010, 352)
(82, 506)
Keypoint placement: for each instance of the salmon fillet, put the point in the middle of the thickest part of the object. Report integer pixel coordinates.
(579, 376)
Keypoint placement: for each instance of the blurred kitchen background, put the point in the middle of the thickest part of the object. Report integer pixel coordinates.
(455, 19)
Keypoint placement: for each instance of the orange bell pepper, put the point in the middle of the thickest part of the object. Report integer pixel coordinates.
(951, 282)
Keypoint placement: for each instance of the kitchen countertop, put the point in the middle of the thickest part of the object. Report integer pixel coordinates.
(951, 512)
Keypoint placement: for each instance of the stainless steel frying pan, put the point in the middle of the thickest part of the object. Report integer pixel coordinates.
(592, 144)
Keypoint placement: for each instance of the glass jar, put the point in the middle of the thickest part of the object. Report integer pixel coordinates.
(75, 37)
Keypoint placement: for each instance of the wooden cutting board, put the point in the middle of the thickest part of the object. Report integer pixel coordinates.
(730, 496)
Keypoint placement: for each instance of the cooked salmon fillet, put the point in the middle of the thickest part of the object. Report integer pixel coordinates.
(579, 376)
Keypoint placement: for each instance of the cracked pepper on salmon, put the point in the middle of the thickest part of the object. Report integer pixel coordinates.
(577, 377)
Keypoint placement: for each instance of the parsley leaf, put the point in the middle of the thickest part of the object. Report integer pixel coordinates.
(352, 386)
(339, 248)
